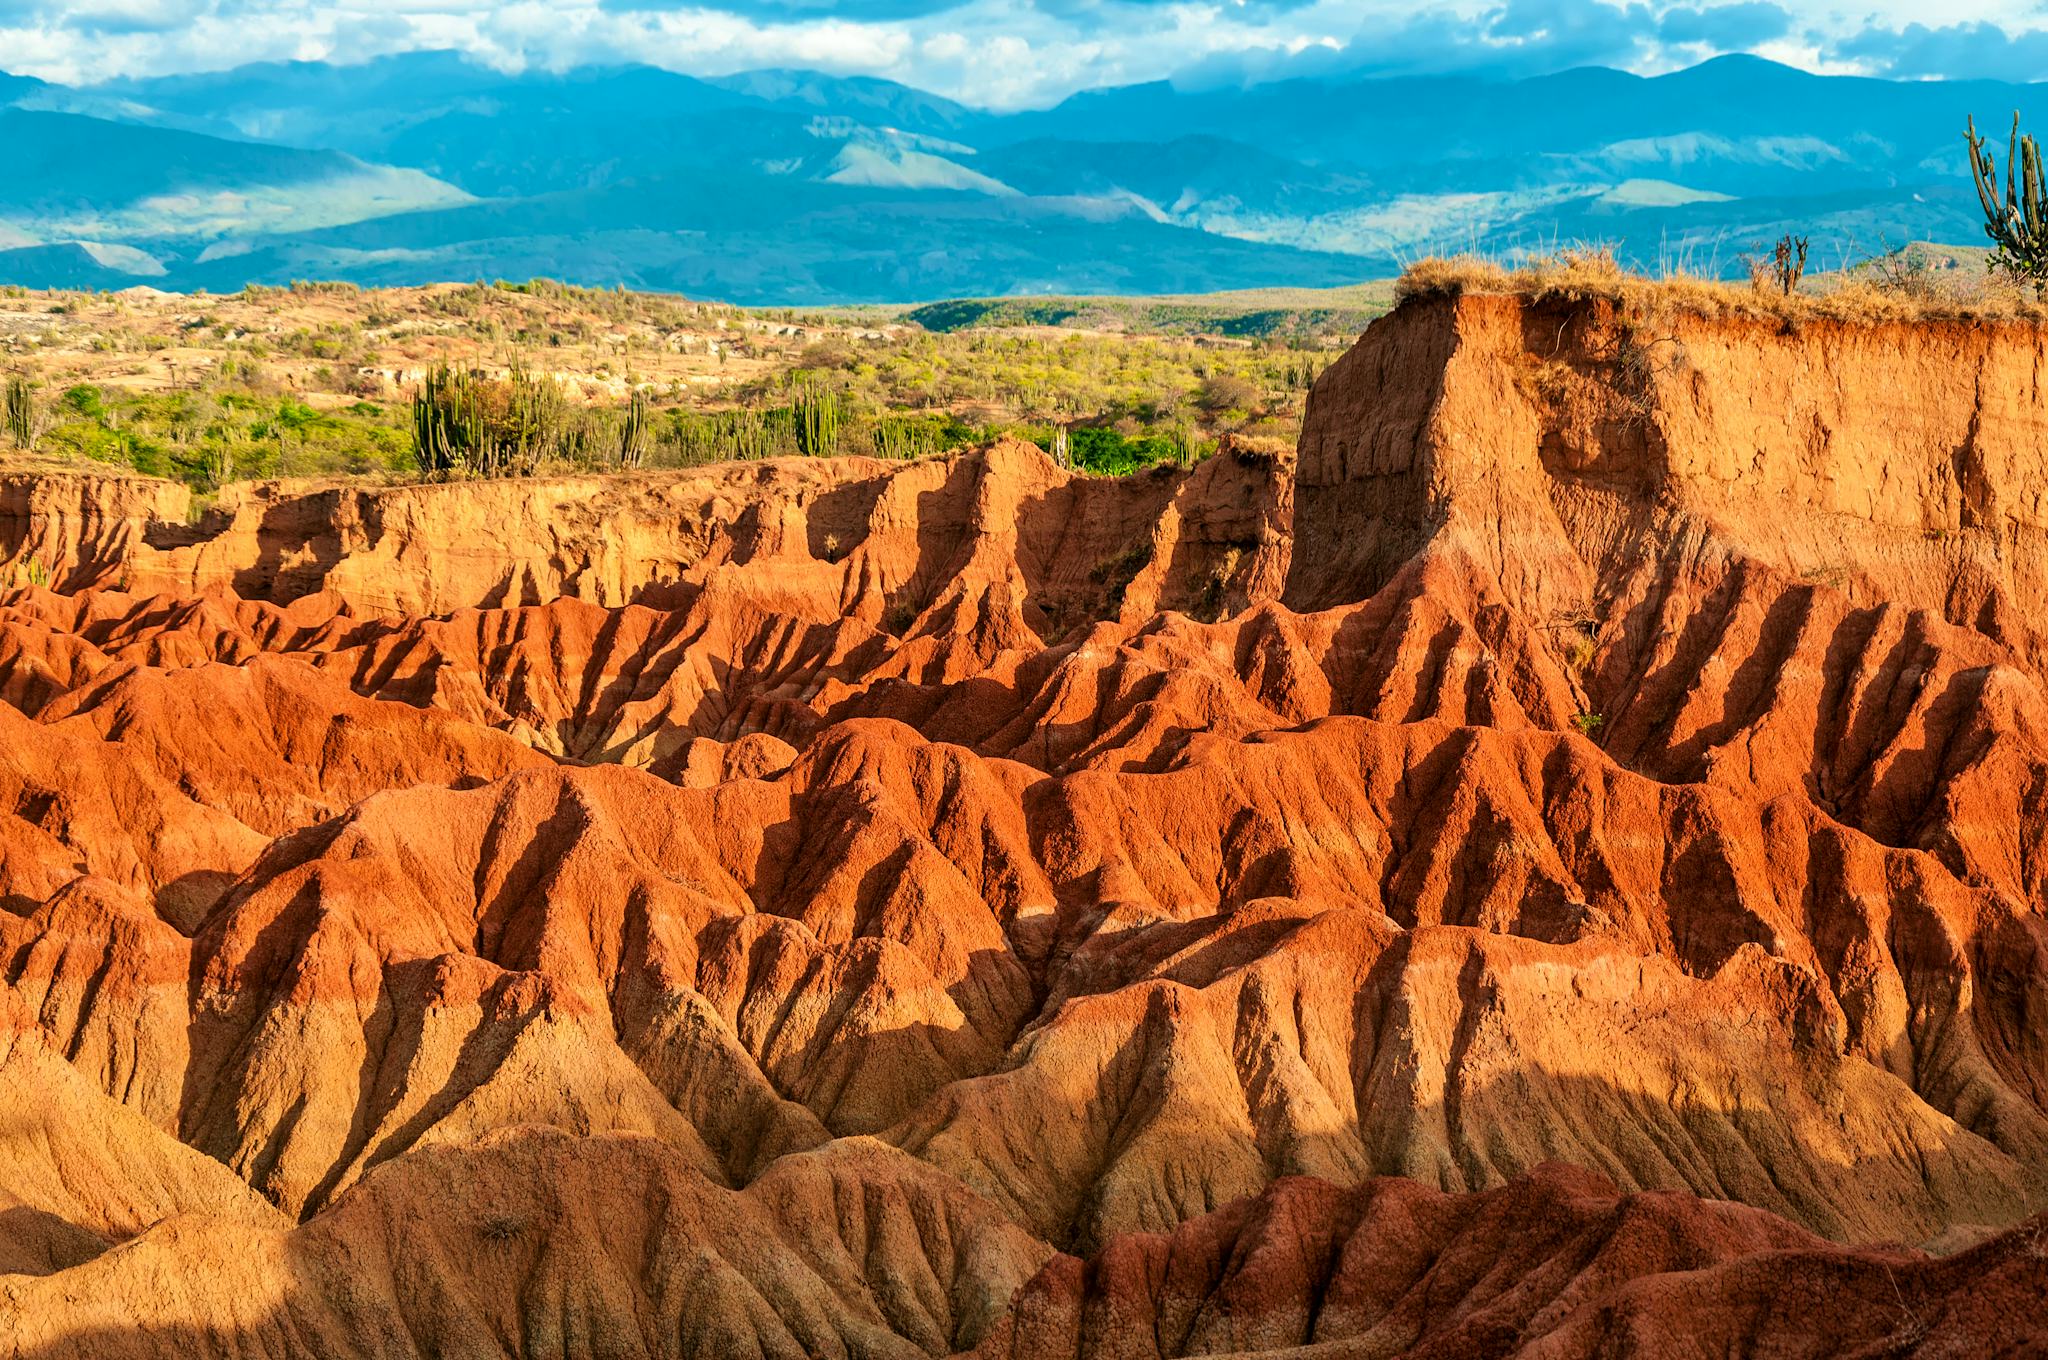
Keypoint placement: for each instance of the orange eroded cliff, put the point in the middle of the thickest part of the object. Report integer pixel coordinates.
(801, 908)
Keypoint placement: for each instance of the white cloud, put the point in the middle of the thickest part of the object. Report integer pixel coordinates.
(999, 53)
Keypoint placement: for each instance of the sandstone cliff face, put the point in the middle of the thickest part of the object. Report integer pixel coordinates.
(784, 908)
(822, 540)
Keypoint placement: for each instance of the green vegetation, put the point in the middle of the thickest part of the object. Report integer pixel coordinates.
(1139, 384)
(33, 571)
(1099, 449)
(814, 412)
(2017, 224)
(812, 424)
(207, 437)
(493, 379)
(1317, 316)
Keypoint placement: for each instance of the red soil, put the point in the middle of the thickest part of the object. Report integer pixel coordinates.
(792, 908)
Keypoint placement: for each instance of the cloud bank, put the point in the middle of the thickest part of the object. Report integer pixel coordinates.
(1016, 53)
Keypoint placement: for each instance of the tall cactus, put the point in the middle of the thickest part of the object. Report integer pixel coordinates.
(903, 438)
(749, 434)
(22, 416)
(817, 421)
(534, 426)
(633, 431)
(446, 424)
(2018, 223)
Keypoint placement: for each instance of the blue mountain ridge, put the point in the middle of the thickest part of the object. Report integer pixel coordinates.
(796, 186)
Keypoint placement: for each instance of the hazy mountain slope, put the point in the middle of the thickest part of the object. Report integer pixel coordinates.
(1416, 120)
(66, 177)
(634, 174)
(864, 98)
(1179, 176)
(366, 108)
(311, 102)
(771, 239)
(563, 147)
(72, 265)
(1458, 160)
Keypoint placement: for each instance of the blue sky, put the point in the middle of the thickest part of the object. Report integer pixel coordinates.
(1014, 53)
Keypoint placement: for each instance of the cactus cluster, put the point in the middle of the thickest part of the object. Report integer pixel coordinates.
(465, 422)
(2017, 223)
(904, 438)
(30, 571)
(217, 462)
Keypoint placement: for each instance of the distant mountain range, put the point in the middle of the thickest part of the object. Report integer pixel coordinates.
(795, 187)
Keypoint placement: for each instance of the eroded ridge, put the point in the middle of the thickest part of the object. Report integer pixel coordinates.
(843, 907)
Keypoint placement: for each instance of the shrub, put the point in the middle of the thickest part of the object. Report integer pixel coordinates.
(1227, 392)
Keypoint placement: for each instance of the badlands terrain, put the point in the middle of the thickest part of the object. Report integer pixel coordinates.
(1555, 867)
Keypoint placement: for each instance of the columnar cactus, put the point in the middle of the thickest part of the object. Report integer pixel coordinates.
(633, 432)
(2018, 223)
(817, 421)
(22, 421)
(446, 425)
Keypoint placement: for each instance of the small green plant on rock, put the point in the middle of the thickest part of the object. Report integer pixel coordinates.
(32, 571)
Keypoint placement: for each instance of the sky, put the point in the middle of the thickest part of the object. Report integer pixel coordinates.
(1029, 53)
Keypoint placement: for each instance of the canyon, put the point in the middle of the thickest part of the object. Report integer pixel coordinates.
(1554, 867)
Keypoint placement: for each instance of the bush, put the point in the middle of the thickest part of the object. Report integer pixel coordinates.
(1107, 452)
(1227, 392)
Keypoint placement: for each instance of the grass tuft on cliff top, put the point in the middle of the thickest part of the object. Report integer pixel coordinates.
(1917, 283)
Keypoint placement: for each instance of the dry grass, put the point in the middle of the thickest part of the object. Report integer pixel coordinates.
(1865, 295)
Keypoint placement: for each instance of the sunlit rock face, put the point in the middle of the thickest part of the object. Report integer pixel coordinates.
(1553, 870)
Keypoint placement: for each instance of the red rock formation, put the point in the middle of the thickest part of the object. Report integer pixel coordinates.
(771, 909)
(1554, 1265)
